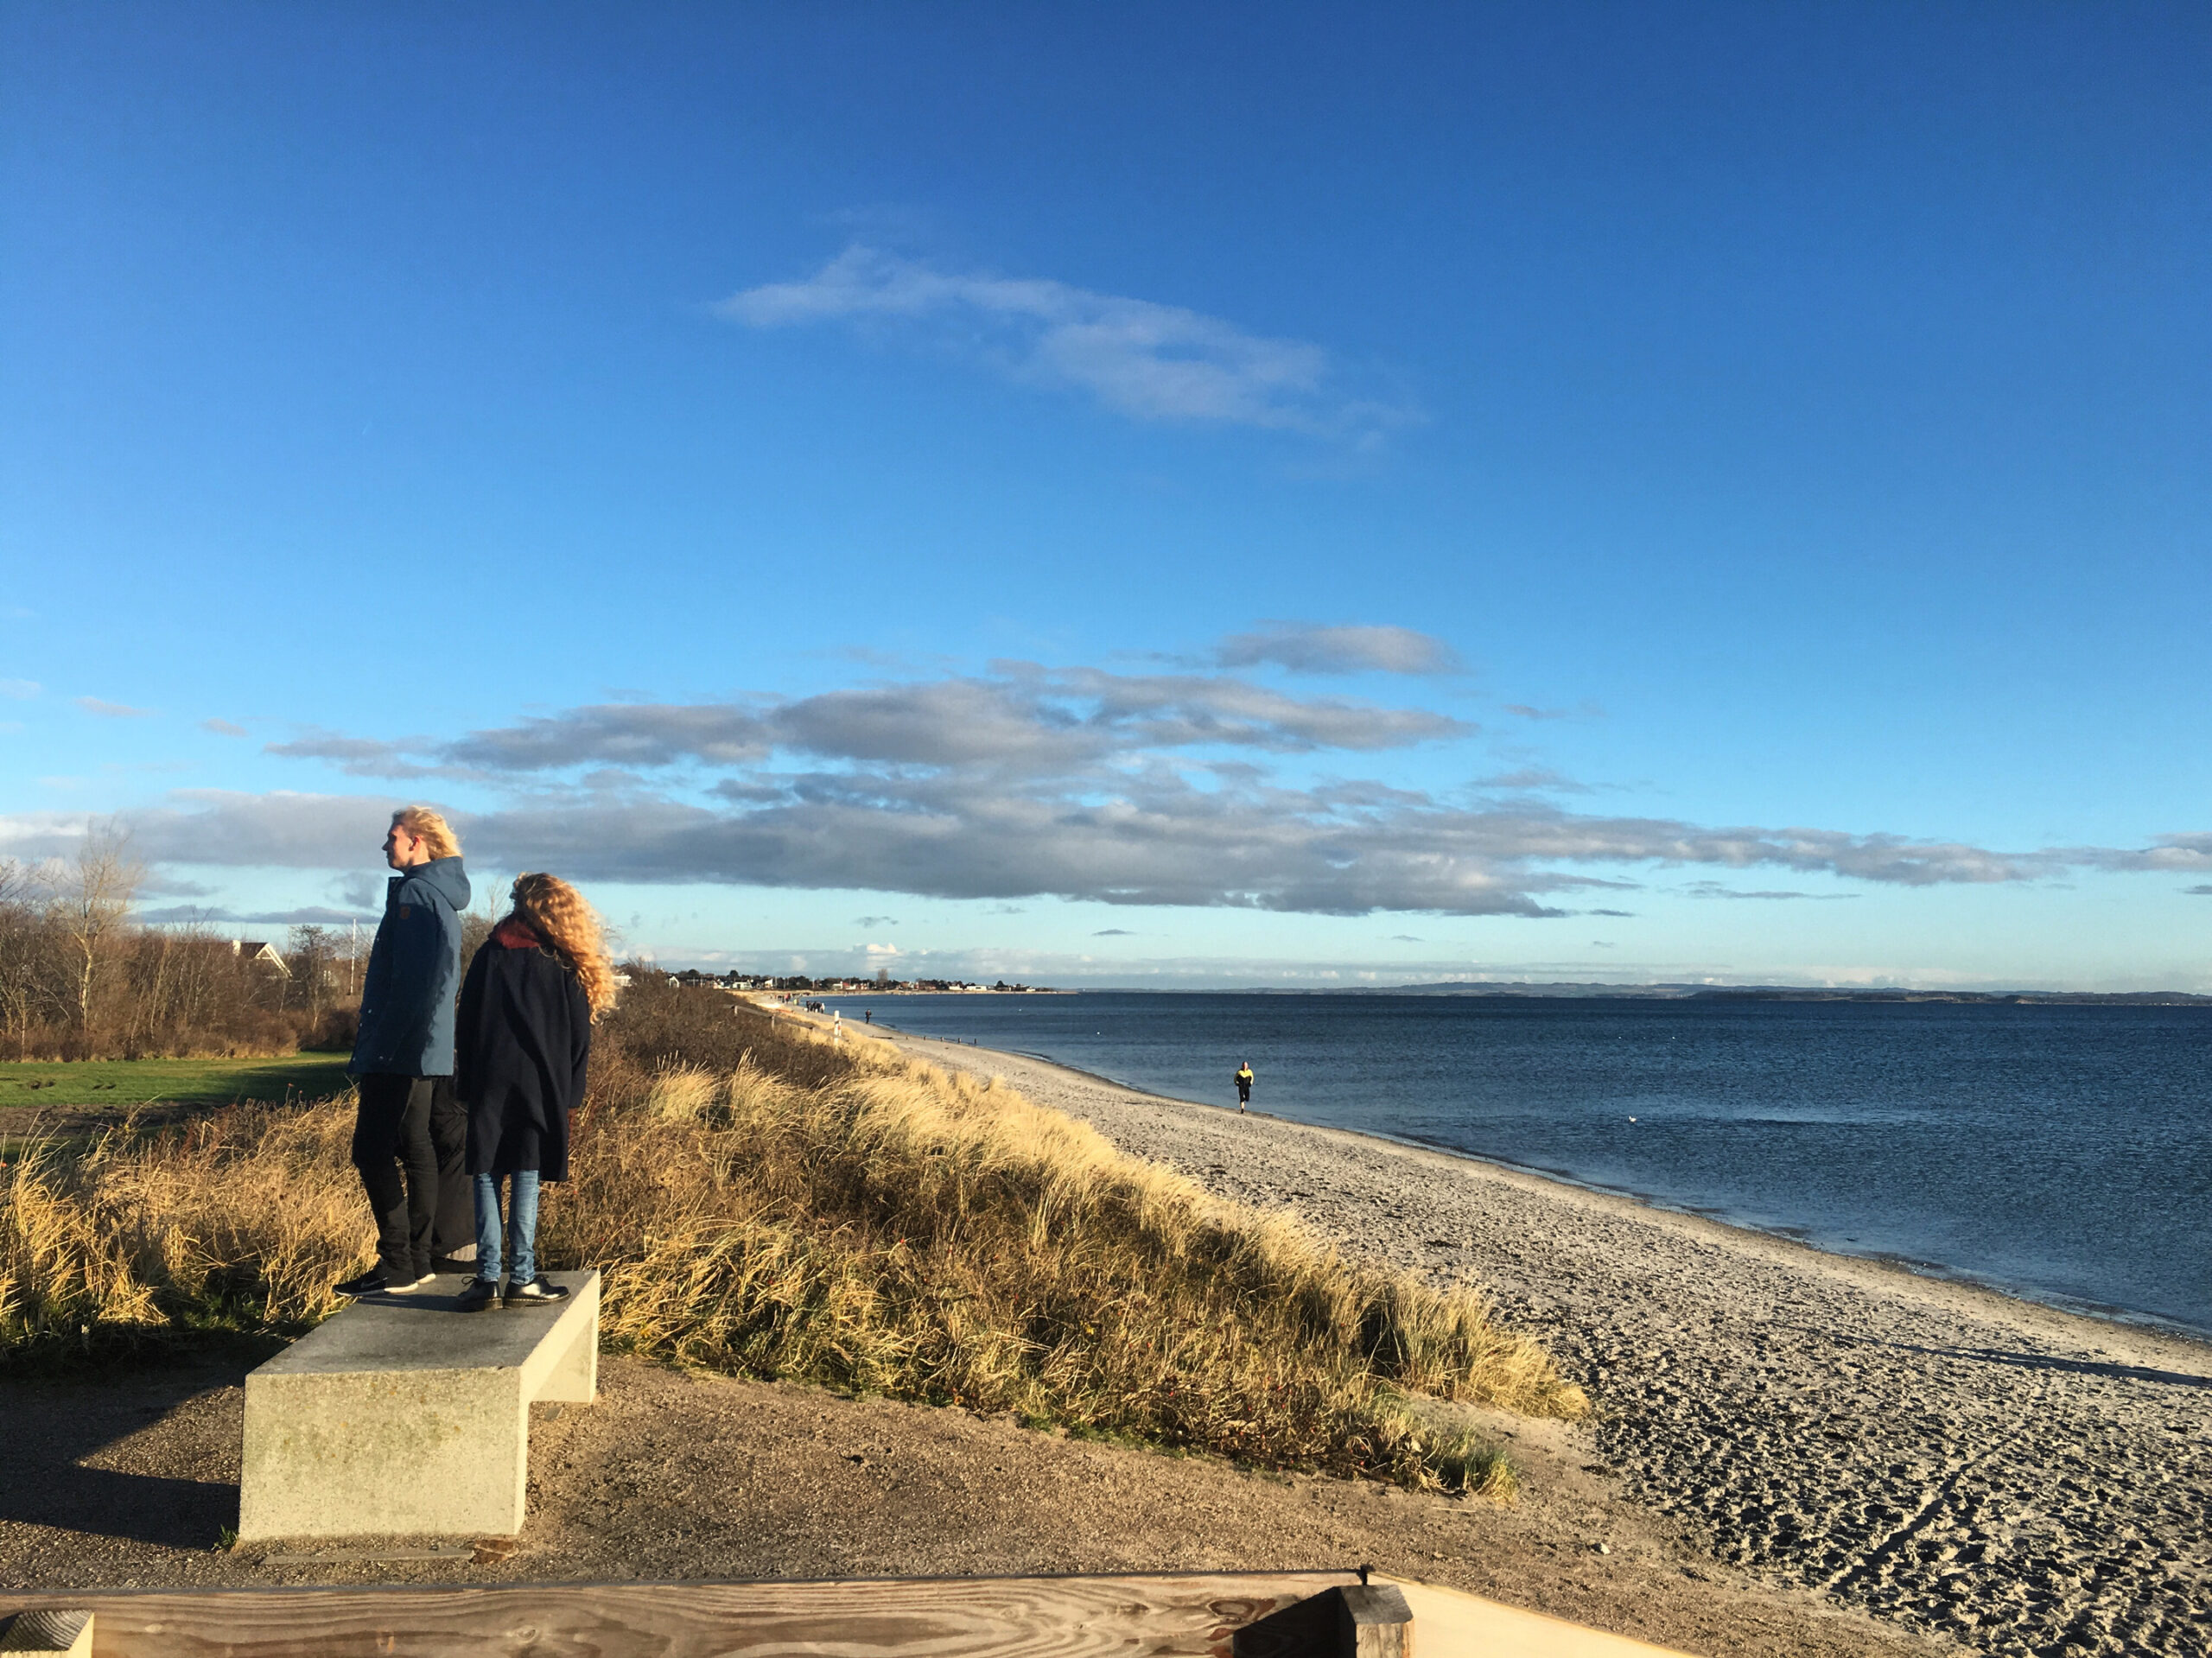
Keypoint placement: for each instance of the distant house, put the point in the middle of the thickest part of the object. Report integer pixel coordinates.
(258, 952)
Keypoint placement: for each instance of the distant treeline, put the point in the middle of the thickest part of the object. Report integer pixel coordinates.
(79, 979)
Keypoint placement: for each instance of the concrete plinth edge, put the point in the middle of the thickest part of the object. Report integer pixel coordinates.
(404, 1416)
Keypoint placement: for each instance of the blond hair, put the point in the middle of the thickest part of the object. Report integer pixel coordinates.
(556, 913)
(430, 828)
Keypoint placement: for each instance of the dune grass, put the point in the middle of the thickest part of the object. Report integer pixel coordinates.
(763, 1204)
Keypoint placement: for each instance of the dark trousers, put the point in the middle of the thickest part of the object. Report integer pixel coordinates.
(410, 1143)
(455, 1232)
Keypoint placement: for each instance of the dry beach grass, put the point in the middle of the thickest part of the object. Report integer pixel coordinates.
(846, 1216)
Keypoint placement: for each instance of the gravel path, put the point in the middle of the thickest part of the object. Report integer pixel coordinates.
(1958, 1463)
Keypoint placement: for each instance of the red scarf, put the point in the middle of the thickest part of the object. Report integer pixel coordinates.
(515, 933)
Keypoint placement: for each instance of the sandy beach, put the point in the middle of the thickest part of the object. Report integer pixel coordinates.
(1951, 1460)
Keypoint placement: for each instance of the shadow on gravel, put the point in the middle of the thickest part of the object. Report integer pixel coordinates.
(2020, 1361)
(99, 1457)
(137, 1508)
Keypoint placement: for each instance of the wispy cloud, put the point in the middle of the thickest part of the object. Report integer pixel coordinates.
(1537, 778)
(187, 915)
(107, 710)
(2203, 890)
(1715, 889)
(363, 757)
(1020, 717)
(1529, 711)
(1317, 648)
(1071, 813)
(1137, 357)
(222, 728)
(1026, 781)
(2166, 852)
(21, 690)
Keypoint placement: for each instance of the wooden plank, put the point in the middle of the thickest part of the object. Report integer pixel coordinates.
(1449, 1623)
(55, 1633)
(1189, 1616)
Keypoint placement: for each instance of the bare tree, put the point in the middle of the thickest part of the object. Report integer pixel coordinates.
(28, 980)
(312, 959)
(92, 898)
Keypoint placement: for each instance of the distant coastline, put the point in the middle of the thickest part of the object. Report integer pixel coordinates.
(1516, 990)
(1476, 987)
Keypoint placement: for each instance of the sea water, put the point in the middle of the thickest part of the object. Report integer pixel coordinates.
(2062, 1153)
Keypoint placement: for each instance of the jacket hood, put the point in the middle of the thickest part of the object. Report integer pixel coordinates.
(444, 876)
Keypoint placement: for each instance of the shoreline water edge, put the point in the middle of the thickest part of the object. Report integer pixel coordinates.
(2021, 1477)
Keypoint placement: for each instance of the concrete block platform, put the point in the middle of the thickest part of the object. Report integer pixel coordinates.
(402, 1415)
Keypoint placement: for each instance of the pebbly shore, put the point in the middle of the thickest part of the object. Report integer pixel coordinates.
(2017, 1478)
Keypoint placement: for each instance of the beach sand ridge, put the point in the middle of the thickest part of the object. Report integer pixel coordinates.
(2017, 1477)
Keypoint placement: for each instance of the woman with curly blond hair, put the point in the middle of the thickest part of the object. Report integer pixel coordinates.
(524, 1037)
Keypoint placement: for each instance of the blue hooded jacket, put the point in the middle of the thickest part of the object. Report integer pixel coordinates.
(407, 997)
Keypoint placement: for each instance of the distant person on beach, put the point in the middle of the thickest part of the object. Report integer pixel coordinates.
(408, 1134)
(1244, 1084)
(526, 1014)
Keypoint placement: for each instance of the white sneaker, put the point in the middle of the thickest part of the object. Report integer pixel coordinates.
(407, 1286)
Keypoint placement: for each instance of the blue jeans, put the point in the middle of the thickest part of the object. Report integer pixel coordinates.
(522, 1226)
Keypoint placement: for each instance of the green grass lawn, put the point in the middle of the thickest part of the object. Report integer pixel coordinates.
(124, 1082)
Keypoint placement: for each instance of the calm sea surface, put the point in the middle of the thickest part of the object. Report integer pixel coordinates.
(2060, 1152)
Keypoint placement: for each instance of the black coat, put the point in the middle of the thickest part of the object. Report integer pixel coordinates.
(523, 1034)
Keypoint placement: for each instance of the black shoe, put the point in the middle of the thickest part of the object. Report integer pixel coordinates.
(407, 1283)
(452, 1264)
(479, 1295)
(371, 1282)
(541, 1291)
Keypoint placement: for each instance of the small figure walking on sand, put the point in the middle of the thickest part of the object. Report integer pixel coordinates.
(837, 1025)
(1244, 1084)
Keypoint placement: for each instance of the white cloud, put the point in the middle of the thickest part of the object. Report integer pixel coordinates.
(108, 710)
(1541, 778)
(1027, 782)
(1139, 358)
(21, 690)
(222, 728)
(1022, 717)
(1314, 648)
(1526, 711)
(185, 915)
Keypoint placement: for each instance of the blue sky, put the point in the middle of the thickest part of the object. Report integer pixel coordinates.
(1132, 494)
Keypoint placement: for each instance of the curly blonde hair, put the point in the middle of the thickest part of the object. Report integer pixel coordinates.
(430, 828)
(558, 913)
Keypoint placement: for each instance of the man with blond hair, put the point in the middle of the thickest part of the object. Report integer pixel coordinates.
(402, 1059)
